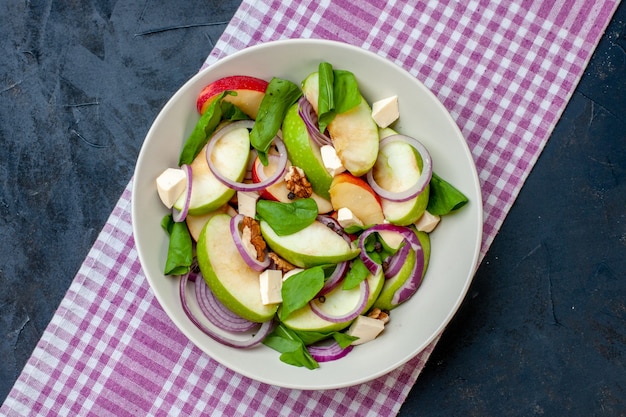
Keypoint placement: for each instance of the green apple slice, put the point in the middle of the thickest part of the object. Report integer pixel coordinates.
(305, 153)
(230, 156)
(394, 283)
(341, 301)
(232, 281)
(354, 133)
(397, 167)
(314, 245)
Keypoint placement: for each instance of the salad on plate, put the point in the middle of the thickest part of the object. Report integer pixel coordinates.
(299, 217)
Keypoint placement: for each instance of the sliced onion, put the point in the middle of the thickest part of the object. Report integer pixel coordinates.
(309, 117)
(180, 215)
(241, 186)
(216, 312)
(411, 285)
(335, 278)
(415, 279)
(248, 258)
(328, 352)
(421, 183)
(262, 332)
(259, 171)
(333, 224)
(318, 307)
(397, 260)
(405, 231)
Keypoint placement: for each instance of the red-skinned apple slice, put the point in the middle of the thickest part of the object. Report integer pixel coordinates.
(250, 92)
(352, 192)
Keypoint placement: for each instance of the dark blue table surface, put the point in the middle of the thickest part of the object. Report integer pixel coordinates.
(543, 328)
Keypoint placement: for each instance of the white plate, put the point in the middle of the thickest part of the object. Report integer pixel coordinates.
(455, 243)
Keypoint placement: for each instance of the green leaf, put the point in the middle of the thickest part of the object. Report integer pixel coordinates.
(311, 337)
(357, 273)
(343, 339)
(299, 289)
(325, 100)
(443, 197)
(287, 218)
(338, 93)
(232, 112)
(292, 348)
(346, 91)
(203, 130)
(180, 248)
(354, 229)
(279, 96)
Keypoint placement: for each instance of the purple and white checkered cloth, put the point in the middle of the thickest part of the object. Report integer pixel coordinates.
(504, 69)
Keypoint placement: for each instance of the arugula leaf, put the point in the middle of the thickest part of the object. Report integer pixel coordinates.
(357, 273)
(180, 249)
(287, 218)
(443, 197)
(292, 348)
(299, 289)
(338, 93)
(203, 130)
(279, 96)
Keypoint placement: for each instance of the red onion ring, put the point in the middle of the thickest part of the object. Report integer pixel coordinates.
(240, 186)
(309, 117)
(364, 292)
(216, 312)
(328, 352)
(262, 332)
(405, 231)
(397, 260)
(339, 273)
(333, 224)
(411, 285)
(180, 215)
(421, 183)
(248, 258)
(259, 171)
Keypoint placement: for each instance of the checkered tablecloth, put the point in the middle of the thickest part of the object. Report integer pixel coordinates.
(504, 69)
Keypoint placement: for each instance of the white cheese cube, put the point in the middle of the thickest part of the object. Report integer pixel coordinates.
(291, 273)
(427, 222)
(170, 185)
(246, 202)
(366, 329)
(331, 161)
(346, 218)
(271, 281)
(385, 111)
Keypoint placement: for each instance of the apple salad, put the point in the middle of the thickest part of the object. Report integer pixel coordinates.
(299, 214)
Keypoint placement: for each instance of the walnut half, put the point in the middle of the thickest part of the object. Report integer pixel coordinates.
(251, 231)
(280, 263)
(378, 314)
(297, 183)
